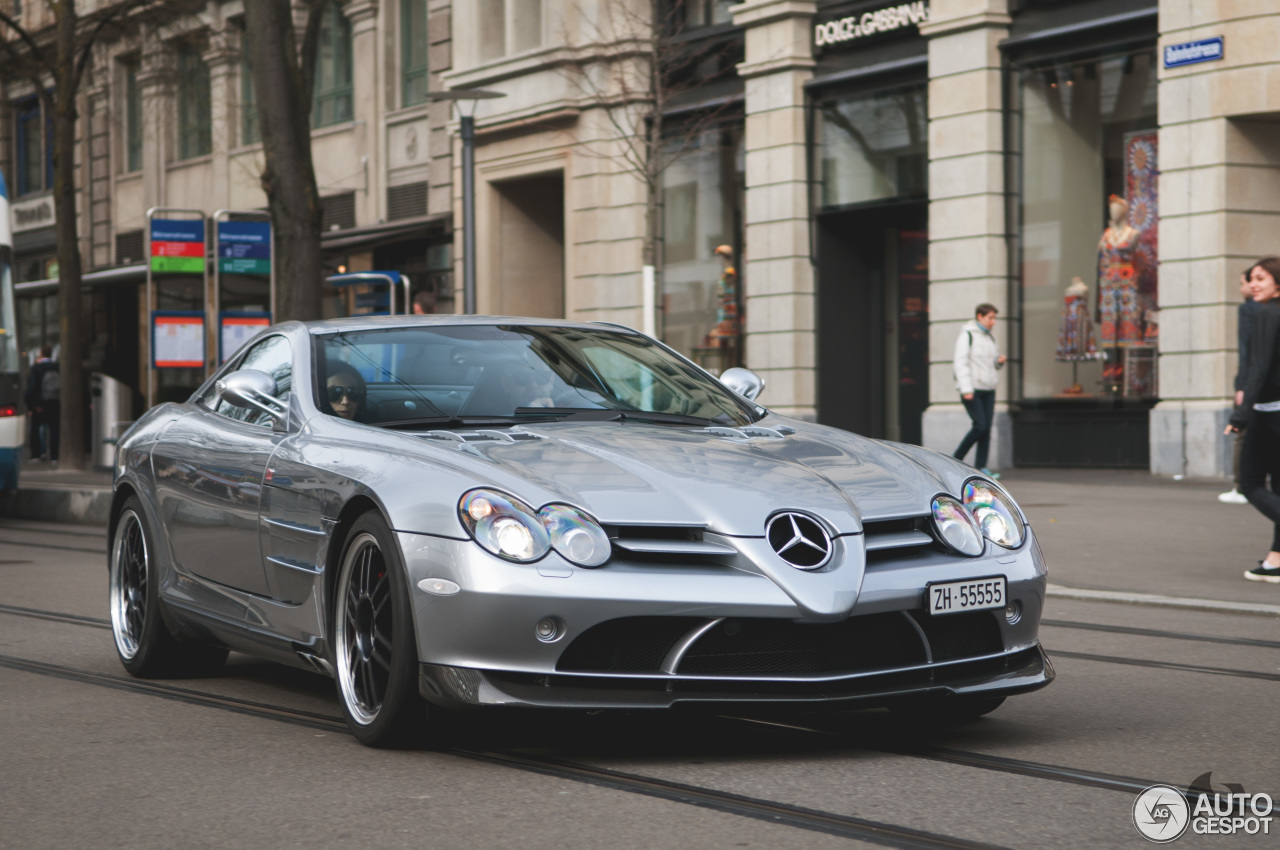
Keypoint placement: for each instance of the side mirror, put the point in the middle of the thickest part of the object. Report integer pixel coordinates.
(252, 388)
(744, 382)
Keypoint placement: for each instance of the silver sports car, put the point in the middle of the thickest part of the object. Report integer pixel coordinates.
(443, 512)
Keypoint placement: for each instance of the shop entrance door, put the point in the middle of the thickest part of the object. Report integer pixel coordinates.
(873, 319)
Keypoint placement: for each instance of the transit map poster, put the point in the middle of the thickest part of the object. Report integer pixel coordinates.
(177, 340)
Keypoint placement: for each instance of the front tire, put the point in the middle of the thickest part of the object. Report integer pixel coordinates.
(143, 641)
(375, 650)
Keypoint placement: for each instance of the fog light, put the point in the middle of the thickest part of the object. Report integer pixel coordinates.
(549, 629)
(1013, 612)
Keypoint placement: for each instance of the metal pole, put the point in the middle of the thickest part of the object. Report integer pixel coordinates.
(468, 132)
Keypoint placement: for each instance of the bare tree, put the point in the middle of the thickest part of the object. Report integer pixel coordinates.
(647, 65)
(54, 59)
(283, 82)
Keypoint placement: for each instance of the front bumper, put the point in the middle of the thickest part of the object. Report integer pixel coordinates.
(479, 646)
(1003, 675)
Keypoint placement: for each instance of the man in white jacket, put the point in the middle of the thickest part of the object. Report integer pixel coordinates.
(976, 361)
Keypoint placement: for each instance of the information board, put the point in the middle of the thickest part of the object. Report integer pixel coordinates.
(177, 340)
(244, 247)
(177, 245)
(238, 328)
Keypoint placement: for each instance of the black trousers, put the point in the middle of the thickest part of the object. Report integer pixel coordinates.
(1260, 459)
(982, 410)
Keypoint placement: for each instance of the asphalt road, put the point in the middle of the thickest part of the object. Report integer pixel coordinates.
(253, 757)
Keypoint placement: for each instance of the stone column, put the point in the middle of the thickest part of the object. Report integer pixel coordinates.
(157, 82)
(778, 278)
(223, 58)
(1219, 212)
(440, 145)
(367, 94)
(968, 249)
(96, 234)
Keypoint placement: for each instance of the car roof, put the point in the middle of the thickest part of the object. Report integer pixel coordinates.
(366, 323)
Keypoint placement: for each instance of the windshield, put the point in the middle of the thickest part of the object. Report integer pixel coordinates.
(403, 376)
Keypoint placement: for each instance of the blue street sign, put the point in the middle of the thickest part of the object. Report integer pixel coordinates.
(1191, 52)
(247, 232)
(177, 230)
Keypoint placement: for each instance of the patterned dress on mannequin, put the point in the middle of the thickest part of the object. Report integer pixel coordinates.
(1075, 335)
(1118, 304)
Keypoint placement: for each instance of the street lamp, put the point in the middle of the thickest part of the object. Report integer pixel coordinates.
(465, 100)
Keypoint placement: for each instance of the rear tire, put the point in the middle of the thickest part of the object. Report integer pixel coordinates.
(145, 645)
(374, 643)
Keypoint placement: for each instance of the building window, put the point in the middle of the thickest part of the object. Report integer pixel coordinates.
(509, 26)
(689, 14)
(333, 98)
(35, 149)
(1088, 238)
(250, 131)
(195, 116)
(873, 147)
(132, 118)
(413, 51)
(702, 185)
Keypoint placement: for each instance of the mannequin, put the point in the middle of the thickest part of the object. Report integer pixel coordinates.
(1118, 305)
(1075, 335)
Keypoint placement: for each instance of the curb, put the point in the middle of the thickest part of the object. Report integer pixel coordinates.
(1223, 606)
(68, 503)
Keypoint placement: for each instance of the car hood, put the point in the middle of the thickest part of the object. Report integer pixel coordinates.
(628, 473)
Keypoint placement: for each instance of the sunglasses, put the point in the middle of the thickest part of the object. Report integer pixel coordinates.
(338, 393)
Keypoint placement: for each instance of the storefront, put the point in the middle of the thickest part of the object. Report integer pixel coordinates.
(868, 128)
(1083, 154)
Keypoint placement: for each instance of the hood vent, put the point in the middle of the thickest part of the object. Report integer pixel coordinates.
(483, 435)
(779, 433)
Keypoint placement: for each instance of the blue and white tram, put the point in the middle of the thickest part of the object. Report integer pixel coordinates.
(11, 418)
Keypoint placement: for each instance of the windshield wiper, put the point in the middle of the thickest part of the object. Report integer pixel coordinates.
(446, 422)
(598, 414)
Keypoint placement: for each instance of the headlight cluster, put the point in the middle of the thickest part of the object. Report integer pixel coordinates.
(986, 512)
(512, 530)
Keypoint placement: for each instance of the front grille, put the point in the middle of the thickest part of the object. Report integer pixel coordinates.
(783, 648)
(626, 645)
(955, 636)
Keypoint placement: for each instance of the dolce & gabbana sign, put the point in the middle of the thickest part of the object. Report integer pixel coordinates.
(841, 31)
(29, 215)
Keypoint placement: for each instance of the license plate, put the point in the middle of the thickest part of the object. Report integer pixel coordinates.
(973, 594)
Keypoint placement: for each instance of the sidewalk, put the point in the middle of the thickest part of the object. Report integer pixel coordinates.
(51, 494)
(1108, 535)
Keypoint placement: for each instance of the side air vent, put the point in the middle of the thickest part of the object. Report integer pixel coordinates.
(904, 533)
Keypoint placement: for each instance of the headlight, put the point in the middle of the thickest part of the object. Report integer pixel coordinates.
(505, 526)
(994, 512)
(956, 527)
(576, 536)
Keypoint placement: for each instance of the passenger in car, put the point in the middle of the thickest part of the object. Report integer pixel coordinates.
(344, 390)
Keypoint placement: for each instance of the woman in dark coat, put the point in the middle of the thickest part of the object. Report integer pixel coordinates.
(1258, 413)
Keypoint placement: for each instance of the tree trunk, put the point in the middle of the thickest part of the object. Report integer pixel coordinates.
(62, 105)
(284, 93)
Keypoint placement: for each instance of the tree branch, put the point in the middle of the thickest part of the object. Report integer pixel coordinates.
(26, 39)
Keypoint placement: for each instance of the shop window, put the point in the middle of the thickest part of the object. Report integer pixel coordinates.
(132, 118)
(702, 237)
(35, 148)
(333, 88)
(873, 147)
(413, 52)
(508, 26)
(195, 112)
(1089, 208)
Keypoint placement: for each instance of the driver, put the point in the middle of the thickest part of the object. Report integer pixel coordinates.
(527, 387)
(344, 390)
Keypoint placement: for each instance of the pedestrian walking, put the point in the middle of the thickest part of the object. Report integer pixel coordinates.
(44, 402)
(1258, 413)
(1245, 314)
(977, 359)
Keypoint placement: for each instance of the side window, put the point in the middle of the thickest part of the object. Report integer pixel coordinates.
(274, 356)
